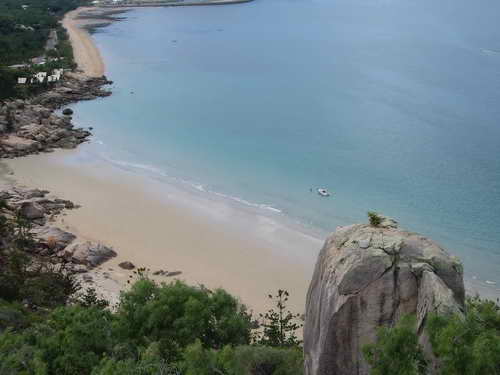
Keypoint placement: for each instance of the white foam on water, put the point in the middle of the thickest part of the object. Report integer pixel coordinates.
(153, 171)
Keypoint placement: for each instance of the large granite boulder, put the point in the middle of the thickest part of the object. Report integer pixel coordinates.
(88, 253)
(369, 276)
(31, 210)
(54, 237)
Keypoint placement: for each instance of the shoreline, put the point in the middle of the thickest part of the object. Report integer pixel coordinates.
(86, 54)
(153, 229)
(160, 227)
(176, 4)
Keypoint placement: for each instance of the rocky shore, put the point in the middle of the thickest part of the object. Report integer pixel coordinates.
(39, 211)
(32, 126)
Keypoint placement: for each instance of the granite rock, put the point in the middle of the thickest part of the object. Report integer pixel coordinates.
(369, 276)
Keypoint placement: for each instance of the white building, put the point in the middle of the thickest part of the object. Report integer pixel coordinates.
(58, 73)
(40, 76)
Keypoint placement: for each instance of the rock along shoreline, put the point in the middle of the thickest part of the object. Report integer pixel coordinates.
(31, 126)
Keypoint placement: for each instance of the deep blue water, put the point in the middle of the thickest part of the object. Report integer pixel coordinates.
(392, 105)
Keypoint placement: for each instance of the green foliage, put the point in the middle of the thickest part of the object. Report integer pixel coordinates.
(242, 360)
(374, 218)
(468, 345)
(34, 280)
(91, 299)
(175, 315)
(397, 351)
(148, 334)
(279, 326)
(151, 366)
(71, 340)
(8, 80)
(45, 328)
(201, 361)
(14, 316)
(23, 36)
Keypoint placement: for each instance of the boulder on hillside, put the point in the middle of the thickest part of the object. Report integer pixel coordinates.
(31, 210)
(89, 253)
(369, 276)
(54, 237)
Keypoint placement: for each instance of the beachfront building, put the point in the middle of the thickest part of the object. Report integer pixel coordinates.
(40, 76)
(58, 72)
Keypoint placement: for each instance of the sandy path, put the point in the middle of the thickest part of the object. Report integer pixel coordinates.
(86, 54)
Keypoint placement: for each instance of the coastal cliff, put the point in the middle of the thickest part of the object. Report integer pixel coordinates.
(367, 277)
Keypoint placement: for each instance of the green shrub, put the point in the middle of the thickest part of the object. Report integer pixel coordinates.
(375, 219)
(243, 360)
(72, 340)
(261, 360)
(279, 326)
(396, 351)
(175, 315)
(468, 345)
(13, 315)
(149, 363)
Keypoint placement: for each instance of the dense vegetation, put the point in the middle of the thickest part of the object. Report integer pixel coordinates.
(24, 30)
(466, 345)
(25, 26)
(48, 326)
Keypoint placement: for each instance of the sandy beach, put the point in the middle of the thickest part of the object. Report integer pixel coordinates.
(86, 54)
(160, 227)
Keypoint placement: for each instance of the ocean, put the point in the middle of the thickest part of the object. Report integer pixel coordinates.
(393, 106)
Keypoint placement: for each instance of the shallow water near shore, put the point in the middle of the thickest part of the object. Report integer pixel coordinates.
(393, 106)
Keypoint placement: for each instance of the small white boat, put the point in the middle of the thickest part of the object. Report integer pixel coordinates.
(323, 192)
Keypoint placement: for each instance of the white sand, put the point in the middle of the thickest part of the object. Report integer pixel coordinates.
(86, 54)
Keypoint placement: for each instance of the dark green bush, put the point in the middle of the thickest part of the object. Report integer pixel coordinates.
(243, 360)
(397, 351)
(374, 218)
(468, 345)
(72, 340)
(175, 315)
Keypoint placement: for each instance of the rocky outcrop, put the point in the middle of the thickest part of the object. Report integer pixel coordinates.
(369, 276)
(31, 126)
(54, 237)
(50, 240)
(72, 89)
(88, 253)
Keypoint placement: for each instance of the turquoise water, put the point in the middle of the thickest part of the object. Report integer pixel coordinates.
(392, 105)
